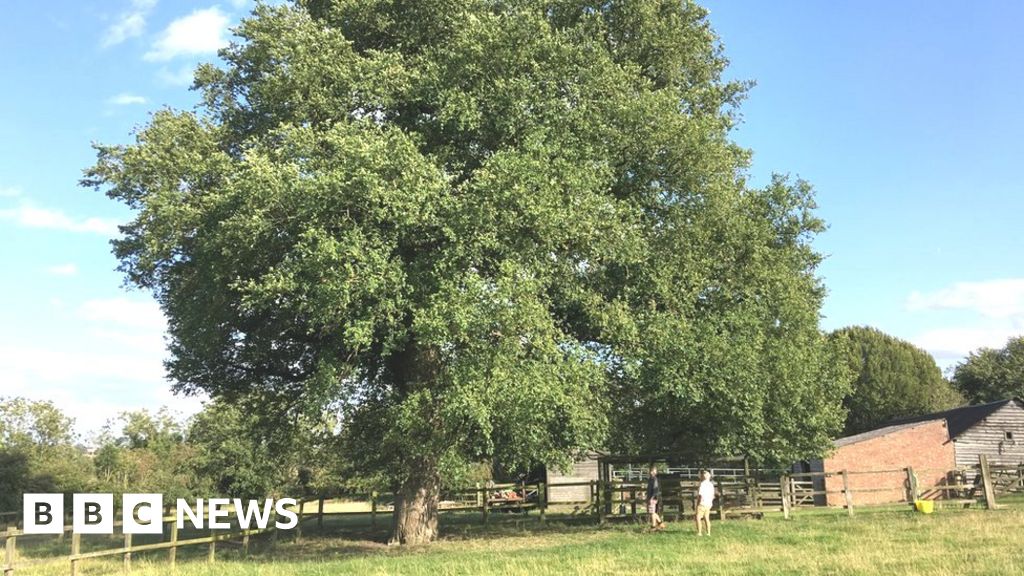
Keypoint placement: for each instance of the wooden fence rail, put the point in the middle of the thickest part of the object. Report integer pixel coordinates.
(11, 561)
(607, 499)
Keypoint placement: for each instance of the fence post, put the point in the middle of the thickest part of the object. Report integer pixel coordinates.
(298, 526)
(245, 544)
(784, 495)
(986, 481)
(76, 548)
(721, 502)
(211, 554)
(632, 502)
(847, 494)
(911, 485)
(600, 502)
(373, 509)
(320, 515)
(609, 495)
(748, 483)
(9, 554)
(172, 552)
(128, 552)
(542, 500)
(522, 487)
(484, 504)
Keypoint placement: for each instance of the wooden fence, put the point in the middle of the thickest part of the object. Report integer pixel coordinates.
(608, 500)
(74, 560)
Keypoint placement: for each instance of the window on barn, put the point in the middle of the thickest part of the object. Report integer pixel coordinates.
(1009, 435)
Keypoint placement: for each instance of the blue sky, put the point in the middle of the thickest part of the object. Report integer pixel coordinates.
(904, 116)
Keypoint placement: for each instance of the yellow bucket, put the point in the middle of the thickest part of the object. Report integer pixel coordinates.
(924, 506)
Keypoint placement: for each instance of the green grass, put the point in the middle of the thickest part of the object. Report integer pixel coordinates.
(953, 542)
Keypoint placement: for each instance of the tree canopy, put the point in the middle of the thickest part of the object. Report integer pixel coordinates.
(893, 379)
(38, 452)
(480, 229)
(991, 374)
(143, 451)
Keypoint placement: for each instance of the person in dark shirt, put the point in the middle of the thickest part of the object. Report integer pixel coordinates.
(653, 497)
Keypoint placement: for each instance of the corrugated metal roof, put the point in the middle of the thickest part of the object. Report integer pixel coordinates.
(962, 418)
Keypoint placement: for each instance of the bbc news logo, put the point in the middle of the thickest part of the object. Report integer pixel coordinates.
(143, 513)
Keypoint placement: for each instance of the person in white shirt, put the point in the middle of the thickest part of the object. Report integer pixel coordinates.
(705, 497)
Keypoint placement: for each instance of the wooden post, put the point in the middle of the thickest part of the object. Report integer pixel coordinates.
(172, 552)
(911, 485)
(245, 544)
(211, 554)
(76, 549)
(784, 495)
(298, 526)
(721, 502)
(632, 502)
(542, 501)
(847, 494)
(484, 505)
(522, 501)
(608, 495)
(373, 509)
(600, 502)
(748, 483)
(320, 515)
(128, 554)
(12, 537)
(986, 481)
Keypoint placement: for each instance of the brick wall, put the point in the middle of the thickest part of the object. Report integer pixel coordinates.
(923, 446)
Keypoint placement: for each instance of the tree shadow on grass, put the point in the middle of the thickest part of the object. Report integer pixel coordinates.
(347, 539)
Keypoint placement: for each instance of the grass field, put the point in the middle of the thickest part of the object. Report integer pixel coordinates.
(949, 542)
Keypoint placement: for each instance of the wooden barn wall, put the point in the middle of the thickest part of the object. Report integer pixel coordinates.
(582, 471)
(989, 437)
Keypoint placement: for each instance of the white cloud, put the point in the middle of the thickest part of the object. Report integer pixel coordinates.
(32, 217)
(9, 192)
(90, 385)
(41, 366)
(63, 270)
(951, 345)
(991, 298)
(201, 32)
(124, 312)
(180, 77)
(129, 24)
(998, 306)
(107, 358)
(126, 99)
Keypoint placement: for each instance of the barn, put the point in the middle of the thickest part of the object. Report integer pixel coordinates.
(585, 469)
(931, 444)
(995, 429)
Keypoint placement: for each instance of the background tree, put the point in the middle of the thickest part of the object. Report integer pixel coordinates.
(236, 454)
(142, 451)
(39, 452)
(988, 374)
(894, 379)
(474, 225)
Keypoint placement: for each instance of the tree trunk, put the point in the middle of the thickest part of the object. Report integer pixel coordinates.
(415, 519)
